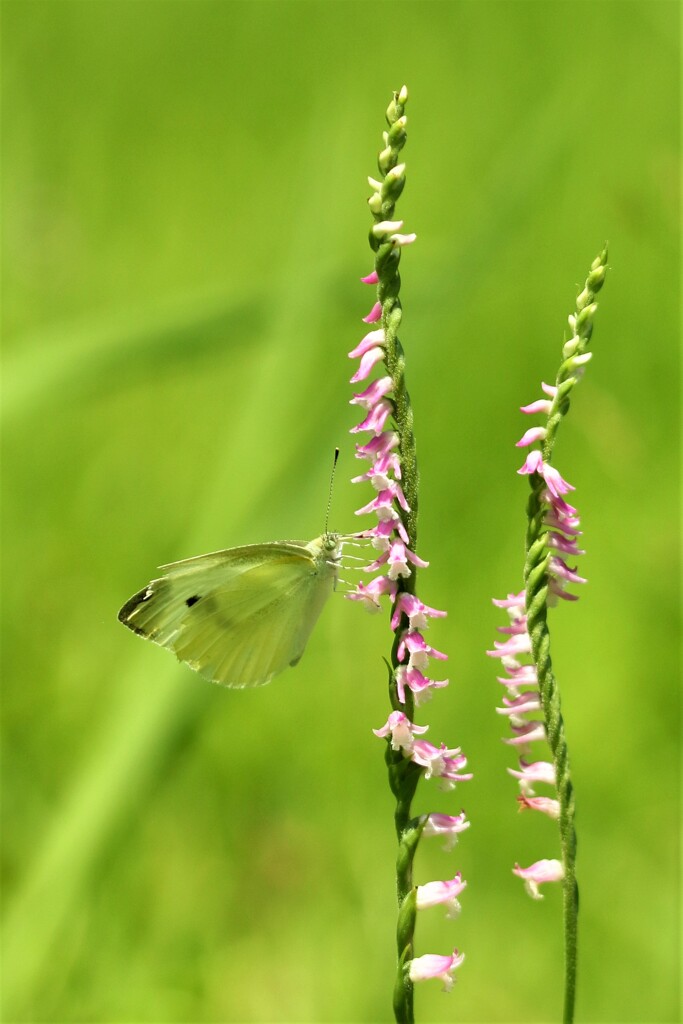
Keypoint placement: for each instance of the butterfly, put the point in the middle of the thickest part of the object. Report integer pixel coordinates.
(243, 615)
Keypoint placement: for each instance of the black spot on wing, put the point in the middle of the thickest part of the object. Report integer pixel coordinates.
(192, 600)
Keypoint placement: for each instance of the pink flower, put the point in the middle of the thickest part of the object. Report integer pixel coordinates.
(542, 405)
(440, 762)
(378, 474)
(398, 558)
(530, 700)
(544, 804)
(372, 394)
(401, 730)
(515, 602)
(418, 684)
(414, 643)
(367, 363)
(520, 644)
(416, 610)
(371, 278)
(374, 315)
(434, 893)
(532, 435)
(381, 533)
(532, 464)
(383, 504)
(432, 965)
(558, 543)
(517, 626)
(376, 418)
(523, 675)
(525, 732)
(447, 825)
(558, 567)
(371, 340)
(537, 771)
(369, 594)
(556, 484)
(539, 873)
(378, 446)
(567, 524)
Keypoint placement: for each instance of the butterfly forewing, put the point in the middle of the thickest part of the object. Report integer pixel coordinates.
(240, 616)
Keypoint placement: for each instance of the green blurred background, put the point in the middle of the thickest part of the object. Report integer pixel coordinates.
(185, 226)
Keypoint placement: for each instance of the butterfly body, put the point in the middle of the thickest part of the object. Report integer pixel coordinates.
(239, 616)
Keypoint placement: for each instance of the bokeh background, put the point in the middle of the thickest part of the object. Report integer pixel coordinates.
(184, 230)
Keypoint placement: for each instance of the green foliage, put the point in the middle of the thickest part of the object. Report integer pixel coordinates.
(184, 232)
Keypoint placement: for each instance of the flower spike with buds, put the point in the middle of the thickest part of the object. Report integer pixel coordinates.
(390, 450)
(552, 537)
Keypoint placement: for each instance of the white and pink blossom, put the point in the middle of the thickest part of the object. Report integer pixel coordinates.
(538, 874)
(433, 965)
(446, 893)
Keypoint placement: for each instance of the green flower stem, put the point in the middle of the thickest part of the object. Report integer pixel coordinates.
(536, 584)
(403, 774)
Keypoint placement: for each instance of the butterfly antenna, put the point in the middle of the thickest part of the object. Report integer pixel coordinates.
(329, 497)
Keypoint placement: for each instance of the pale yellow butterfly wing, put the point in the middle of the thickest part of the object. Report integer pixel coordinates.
(240, 616)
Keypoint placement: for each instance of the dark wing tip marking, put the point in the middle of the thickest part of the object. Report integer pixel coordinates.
(129, 607)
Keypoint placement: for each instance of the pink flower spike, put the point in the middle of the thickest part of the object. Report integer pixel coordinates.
(432, 965)
(401, 730)
(373, 392)
(531, 436)
(544, 804)
(371, 339)
(367, 363)
(532, 464)
(539, 873)
(549, 389)
(542, 405)
(446, 825)
(374, 315)
(376, 418)
(416, 611)
(435, 893)
(371, 278)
